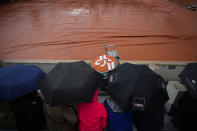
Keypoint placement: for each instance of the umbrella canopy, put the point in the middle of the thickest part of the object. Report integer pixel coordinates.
(70, 83)
(19, 80)
(189, 78)
(137, 88)
(104, 63)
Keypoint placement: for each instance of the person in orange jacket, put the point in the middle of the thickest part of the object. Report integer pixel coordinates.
(92, 115)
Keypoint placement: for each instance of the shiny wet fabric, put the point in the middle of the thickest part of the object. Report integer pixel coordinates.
(77, 29)
(92, 115)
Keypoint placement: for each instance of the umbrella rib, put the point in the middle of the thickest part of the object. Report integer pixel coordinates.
(51, 101)
(59, 83)
(190, 84)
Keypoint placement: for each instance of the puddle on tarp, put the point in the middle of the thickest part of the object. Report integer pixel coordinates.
(77, 29)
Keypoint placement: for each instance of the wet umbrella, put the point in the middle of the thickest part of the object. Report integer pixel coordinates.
(137, 88)
(189, 78)
(19, 80)
(70, 83)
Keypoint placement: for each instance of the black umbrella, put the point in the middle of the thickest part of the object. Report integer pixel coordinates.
(189, 78)
(137, 88)
(70, 83)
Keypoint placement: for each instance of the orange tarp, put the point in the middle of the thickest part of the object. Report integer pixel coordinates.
(162, 30)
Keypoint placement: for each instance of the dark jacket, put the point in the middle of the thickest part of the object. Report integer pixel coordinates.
(60, 118)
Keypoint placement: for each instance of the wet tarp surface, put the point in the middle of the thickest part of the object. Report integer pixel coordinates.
(77, 29)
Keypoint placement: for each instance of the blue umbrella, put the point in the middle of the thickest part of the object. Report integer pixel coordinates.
(19, 80)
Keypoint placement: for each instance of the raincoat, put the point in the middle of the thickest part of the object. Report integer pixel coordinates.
(92, 115)
(118, 120)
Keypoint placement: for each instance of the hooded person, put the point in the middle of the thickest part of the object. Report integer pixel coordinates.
(60, 118)
(92, 115)
(117, 119)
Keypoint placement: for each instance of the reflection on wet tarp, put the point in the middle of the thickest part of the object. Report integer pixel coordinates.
(77, 29)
